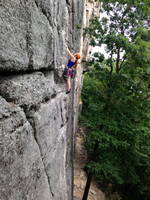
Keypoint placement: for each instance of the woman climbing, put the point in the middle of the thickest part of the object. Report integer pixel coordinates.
(71, 69)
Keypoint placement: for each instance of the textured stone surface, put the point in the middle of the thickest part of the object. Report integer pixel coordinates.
(27, 90)
(22, 173)
(25, 36)
(50, 128)
(37, 118)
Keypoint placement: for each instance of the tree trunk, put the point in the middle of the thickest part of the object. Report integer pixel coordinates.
(87, 187)
(111, 65)
(117, 61)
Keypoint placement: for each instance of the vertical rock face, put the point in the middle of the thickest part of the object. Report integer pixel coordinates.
(37, 118)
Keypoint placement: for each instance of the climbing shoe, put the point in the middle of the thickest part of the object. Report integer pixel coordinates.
(68, 91)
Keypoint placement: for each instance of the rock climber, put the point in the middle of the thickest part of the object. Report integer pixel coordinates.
(70, 69)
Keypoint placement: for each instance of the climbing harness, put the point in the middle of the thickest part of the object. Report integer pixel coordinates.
(69, 70)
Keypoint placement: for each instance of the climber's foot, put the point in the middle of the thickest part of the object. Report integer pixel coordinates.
(68, 91)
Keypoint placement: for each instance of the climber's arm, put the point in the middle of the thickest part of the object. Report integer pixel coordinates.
(76, 65)
(71, 55)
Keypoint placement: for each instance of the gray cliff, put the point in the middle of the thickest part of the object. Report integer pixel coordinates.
(37, 119)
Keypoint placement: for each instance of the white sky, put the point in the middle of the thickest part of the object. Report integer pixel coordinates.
(102, 48)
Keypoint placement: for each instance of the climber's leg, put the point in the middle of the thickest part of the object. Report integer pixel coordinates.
(68, 83)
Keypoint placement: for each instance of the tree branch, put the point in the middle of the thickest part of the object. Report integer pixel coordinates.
(111, 65)
(122, 62)
(118, 60)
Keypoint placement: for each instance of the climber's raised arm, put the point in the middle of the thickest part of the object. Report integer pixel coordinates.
(72, 57)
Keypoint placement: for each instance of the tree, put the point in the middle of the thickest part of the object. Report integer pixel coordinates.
(116, 106)
(116, 115)
(118, 31)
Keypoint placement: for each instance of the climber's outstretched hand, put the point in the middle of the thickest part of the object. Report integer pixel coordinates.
(72, 57)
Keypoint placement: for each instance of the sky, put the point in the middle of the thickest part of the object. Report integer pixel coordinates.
(102, 48)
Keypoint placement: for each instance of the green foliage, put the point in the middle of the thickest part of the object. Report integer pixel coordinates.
(116, 100)
(126, 23)
(116, 113)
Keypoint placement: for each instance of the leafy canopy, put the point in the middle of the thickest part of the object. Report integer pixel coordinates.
(116, 99)
(120, 30)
